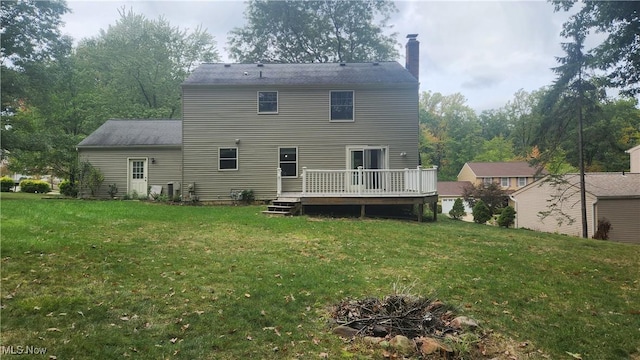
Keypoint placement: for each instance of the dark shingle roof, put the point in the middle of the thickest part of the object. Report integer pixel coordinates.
(504, 169)
(114, 133)
(301, 74)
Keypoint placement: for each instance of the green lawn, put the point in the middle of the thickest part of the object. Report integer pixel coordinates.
(107, 279)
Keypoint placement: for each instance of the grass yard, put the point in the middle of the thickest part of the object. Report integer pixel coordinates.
(113, 279)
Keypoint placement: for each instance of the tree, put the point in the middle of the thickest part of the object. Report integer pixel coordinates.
(30, 30)
(497, 149)
(457, 211)
(507, 217)
(293, 31)
(618, 53)
(481, 213)
(491, 195)
(134, 68)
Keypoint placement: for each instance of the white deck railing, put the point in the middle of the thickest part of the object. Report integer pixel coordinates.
(366, 182)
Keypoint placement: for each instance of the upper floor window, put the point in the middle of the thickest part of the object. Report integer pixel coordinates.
(228, 159)
(288, 162)
(504, 182)
(267, 102)
(342, 105)
(487, 181)
(522, 181)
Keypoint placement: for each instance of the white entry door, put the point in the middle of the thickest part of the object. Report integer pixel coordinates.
(138, 176)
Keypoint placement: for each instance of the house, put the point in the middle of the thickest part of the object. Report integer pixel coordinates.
(614, 197)
(449, 191)
(510, 175)
(315, 134)
(135, 154)
(634, 154)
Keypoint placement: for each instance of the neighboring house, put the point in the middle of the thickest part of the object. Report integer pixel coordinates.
(449, 191)
(510, 175)
(340, 133)
(611, 196)
(135, 154)
(634, 154)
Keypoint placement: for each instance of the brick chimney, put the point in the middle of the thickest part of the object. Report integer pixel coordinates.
(413, 55)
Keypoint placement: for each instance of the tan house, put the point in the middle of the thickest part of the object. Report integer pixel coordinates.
(510, 175)
(614, 197)
(634, 154)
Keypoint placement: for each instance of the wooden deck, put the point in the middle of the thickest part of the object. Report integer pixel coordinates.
(362, 187)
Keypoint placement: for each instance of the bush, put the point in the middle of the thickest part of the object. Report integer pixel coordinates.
(90, 178)
(34, 186)
(604, 226)
(457, 212)
(507, 217)
(6, 183)
(481, 213)
(247, 196)
(68, 189)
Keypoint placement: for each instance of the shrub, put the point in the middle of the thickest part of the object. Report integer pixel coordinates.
(68, 189)
(34, 186)
(247, 196)
(6, 183)
(457, 212)
(602, 232)
(90, 178)
(481, 213)
(507, 217)
(113, 190)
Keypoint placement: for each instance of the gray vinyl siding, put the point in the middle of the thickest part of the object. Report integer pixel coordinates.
(113, 164)
(623, 215)
(215, 117)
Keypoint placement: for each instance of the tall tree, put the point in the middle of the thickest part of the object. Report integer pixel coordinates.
(292, 31)
(619, 53)
(137, 65)
(568, 95)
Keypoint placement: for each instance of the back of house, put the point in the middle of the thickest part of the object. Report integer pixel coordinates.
(242, 122)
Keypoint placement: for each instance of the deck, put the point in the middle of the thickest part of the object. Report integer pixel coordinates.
(365, 187)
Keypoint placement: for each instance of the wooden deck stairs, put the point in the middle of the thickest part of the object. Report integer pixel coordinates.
(284, 206)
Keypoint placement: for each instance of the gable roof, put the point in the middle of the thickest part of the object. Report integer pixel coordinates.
(452, 188)
(504, 169)
(301, 74)
(602, 185)
(115, 133)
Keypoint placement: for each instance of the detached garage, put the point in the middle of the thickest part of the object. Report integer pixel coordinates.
(614, 197)
(136, 155)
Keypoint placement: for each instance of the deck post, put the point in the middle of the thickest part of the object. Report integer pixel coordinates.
(362, 211)
(419, 168)
(304, 180)
(420, 211)
(279, 182)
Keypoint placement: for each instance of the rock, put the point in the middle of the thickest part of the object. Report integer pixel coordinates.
(462, 322)
(373, 340)
(345, 331)
(430, 346)
(403, 345)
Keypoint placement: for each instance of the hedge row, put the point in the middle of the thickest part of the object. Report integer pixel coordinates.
(34, 186)
(6, 183)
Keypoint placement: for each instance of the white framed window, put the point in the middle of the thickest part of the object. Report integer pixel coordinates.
(267, 102)
(227, 158)
(487, 181)
(522, 181)
(342, 102)
(504, 182)
(288, 161)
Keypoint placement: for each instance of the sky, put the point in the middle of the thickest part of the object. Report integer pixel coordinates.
(485, 50)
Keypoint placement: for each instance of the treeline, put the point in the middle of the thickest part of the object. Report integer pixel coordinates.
(451, 133)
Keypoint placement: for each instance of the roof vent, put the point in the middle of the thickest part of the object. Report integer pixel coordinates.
(343, 64)
(227, 65)
(376, 63)
(260, 64)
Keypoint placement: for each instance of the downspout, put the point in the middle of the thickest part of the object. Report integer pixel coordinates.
(594, 226)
